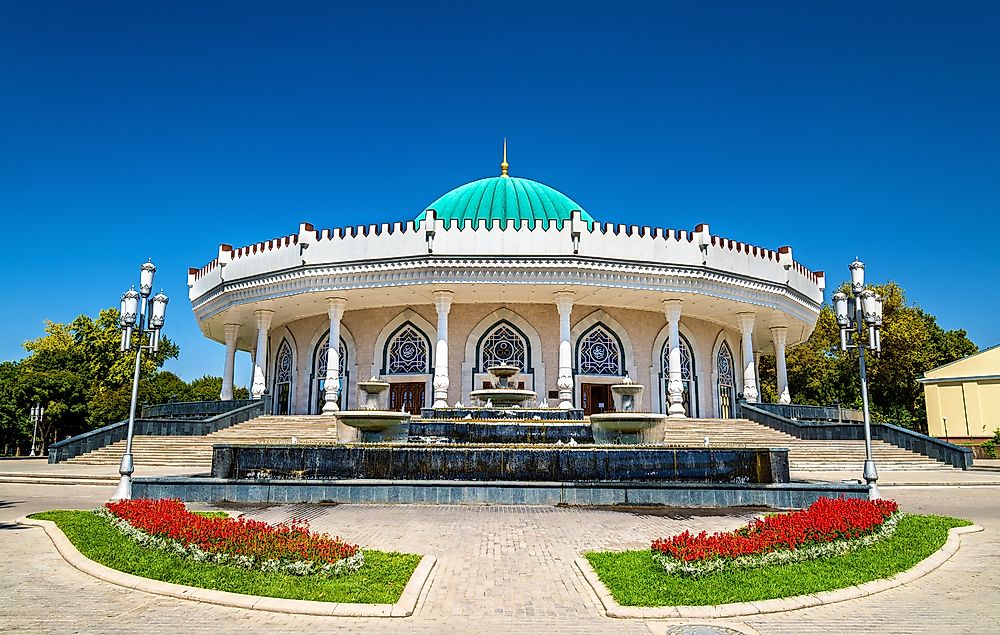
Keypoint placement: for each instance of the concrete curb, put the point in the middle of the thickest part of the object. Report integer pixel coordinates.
(404, 607)
(741, 609)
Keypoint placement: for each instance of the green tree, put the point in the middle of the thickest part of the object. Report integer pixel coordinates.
(79, 374)
(13, 419)
(912, 343)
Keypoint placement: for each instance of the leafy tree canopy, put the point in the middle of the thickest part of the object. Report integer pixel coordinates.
(912, 344)
(79, 374)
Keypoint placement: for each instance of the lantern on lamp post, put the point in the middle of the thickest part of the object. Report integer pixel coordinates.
(37, 416)
(859, 316)
(135, 307)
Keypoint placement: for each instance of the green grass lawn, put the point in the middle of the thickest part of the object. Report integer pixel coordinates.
(379, 581)
(635, 579)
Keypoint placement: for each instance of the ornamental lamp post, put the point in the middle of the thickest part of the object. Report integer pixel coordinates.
(37, 415)
(859, 328)
(134, 310)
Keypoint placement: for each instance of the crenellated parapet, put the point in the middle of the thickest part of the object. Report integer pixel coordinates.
(575, 251)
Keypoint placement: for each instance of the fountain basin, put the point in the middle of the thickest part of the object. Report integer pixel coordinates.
(624, 427)
(377, 425)
(503, 397)
(502, 394)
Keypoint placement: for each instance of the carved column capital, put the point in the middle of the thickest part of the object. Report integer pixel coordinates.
(672, 309)
(335, 308)
(443, 299)
(232, 332)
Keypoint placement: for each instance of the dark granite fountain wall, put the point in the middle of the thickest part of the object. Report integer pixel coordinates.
(501, 432)
(531, 464)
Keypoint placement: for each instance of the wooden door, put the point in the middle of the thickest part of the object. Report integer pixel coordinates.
(595, 398)
(408, 397)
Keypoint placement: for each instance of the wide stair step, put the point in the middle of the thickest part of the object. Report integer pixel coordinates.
(803, 455)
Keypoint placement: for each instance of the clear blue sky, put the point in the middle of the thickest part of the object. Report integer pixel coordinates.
(135, 129)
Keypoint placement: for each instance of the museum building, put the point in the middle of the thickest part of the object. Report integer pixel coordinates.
(506, 270)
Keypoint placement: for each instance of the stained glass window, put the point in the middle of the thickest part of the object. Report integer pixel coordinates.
(599, 354)
(504, 347)
(407, 352)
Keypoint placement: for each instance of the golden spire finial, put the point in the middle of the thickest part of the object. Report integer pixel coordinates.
(503, 165)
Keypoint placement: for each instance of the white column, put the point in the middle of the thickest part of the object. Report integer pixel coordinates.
(749, 371)
(331, 385)
(260, 359)
(780, 335)
(564, 303)
(675, 385)
(232, 332)
(442, 302)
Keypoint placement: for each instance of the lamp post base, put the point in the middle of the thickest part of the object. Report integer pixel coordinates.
(124, 491)
(873, 492)
(871, 477)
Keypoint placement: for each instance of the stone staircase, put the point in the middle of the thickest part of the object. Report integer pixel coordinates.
(196, 452)
(804, 455)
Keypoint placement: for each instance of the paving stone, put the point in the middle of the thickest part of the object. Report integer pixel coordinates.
(501, 569)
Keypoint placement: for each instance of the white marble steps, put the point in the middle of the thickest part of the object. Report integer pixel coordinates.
(183, 451)
(803, 454)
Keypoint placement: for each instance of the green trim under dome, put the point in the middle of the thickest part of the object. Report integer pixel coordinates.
(503, 199)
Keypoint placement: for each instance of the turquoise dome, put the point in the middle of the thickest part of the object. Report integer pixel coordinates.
(505, 198)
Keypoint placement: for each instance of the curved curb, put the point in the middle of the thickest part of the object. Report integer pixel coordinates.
(778, 605)
(404, 607)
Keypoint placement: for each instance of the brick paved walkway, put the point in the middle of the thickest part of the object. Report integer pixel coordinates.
(500, 569)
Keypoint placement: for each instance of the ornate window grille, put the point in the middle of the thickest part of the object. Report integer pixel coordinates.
(504, 347)
(407, 353)
(727, 382)
(324, 354)
(283, 380)
(599, 354)
(687, 373)
(284, 373)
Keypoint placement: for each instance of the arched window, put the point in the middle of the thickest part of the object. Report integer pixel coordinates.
(599, 353)
(687, 376)
(283, 371)
(727, 382)
(319, 376)
(503, 346)
(407, 352)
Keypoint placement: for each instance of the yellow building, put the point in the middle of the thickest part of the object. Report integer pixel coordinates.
(963, 397)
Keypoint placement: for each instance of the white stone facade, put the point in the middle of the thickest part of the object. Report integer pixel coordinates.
(583, 304)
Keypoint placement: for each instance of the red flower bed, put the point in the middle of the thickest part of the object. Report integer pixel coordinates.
(287, 541)
(826, 520)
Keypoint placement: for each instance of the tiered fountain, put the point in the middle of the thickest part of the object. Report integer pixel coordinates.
(626, 424)
(506, 450)
(374, 422)
(504, 393)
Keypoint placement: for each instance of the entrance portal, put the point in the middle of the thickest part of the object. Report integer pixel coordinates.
(407, 397)
(596, 398)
